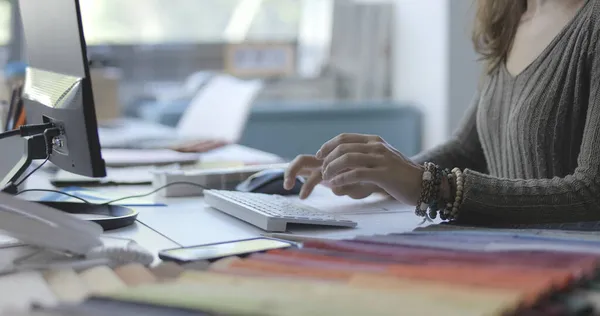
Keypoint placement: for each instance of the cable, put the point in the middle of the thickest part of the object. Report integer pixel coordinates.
(49, 132)
(11, 133)
(49, 135)
(35, 129)
(27, 130)
(32, 172)
(115, 200)
(154, 191)
(55, 191)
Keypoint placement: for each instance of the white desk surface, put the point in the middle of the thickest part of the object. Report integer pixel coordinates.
(188, 221)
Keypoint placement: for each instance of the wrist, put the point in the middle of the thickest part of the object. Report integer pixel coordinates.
(445, 190)
(441, 192)
(416, 195)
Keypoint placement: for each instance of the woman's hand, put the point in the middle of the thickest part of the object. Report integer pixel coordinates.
(351, 159)
(310, 167)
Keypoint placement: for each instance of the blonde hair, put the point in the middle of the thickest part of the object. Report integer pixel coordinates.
(496, 24)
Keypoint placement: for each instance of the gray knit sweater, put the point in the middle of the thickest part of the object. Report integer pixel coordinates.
(530, 144)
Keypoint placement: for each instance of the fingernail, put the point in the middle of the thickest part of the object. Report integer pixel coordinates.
(318, 154)
(287, 184)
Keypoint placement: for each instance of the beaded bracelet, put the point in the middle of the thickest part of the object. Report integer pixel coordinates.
(426, 190)
(436, 196)
(459, 192)
(445, 213)
(431, 198)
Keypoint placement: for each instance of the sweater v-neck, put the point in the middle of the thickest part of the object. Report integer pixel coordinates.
(548, 49)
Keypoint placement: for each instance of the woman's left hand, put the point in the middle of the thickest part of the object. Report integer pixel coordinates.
(355, 158)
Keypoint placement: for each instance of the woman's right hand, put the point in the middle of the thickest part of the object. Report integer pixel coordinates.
(310, 167)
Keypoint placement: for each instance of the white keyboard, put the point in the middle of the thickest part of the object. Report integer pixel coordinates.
(269, 212)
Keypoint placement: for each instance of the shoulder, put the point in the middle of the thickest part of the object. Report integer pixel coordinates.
(594, 15)
(594, 24)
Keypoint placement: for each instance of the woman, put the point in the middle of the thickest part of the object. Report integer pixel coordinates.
(528, 150)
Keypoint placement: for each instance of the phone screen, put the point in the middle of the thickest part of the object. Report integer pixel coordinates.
(207, 252)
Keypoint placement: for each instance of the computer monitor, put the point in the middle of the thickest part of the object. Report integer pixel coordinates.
(57, 84)
(57, 95)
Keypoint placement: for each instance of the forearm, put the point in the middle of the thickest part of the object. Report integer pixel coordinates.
(454, 154)
(489, 200)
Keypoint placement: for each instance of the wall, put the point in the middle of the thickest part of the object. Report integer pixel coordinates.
(273, 127)
(464, 69)
(420, 67)
(435, 64)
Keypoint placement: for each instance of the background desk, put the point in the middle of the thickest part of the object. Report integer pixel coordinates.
(189, 221)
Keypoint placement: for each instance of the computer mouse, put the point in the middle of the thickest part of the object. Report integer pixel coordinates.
(269, 182)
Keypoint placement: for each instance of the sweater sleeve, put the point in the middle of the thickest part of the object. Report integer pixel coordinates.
(463, 150)
(573, 198)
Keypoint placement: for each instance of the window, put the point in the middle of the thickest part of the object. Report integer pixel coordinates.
(341, 48)
(5, 12)
(188, 21)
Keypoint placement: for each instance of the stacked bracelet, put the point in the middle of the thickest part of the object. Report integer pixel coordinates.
(426, 190)
(459, 192)
(431, 201)
(437, 183)
(445, 214)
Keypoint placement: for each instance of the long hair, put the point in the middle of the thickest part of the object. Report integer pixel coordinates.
(496, 23)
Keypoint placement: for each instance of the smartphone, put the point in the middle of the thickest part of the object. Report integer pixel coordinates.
(212, 252)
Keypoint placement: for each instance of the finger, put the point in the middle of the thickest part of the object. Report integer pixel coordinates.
(345, 149)
(307, 172)
(355, 191)
(329, 146)
(355, 176)
(351, 161)
(366, 190)
(294, 168)
(310, 184)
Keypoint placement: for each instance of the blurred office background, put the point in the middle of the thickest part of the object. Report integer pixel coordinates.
(403, 69)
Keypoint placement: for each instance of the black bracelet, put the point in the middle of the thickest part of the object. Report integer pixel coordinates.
(426, 190)
(436, 197)
(447, 210)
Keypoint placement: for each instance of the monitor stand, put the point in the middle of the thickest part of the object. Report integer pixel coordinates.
(108, 216)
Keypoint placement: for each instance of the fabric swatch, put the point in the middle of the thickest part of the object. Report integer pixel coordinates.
(22, 290)
(135, 274)
(67, 285)
(101, 279)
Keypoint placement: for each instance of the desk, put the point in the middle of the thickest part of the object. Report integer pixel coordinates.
(189, 221)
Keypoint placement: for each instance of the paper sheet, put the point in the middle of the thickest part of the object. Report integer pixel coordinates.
(220, 110)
